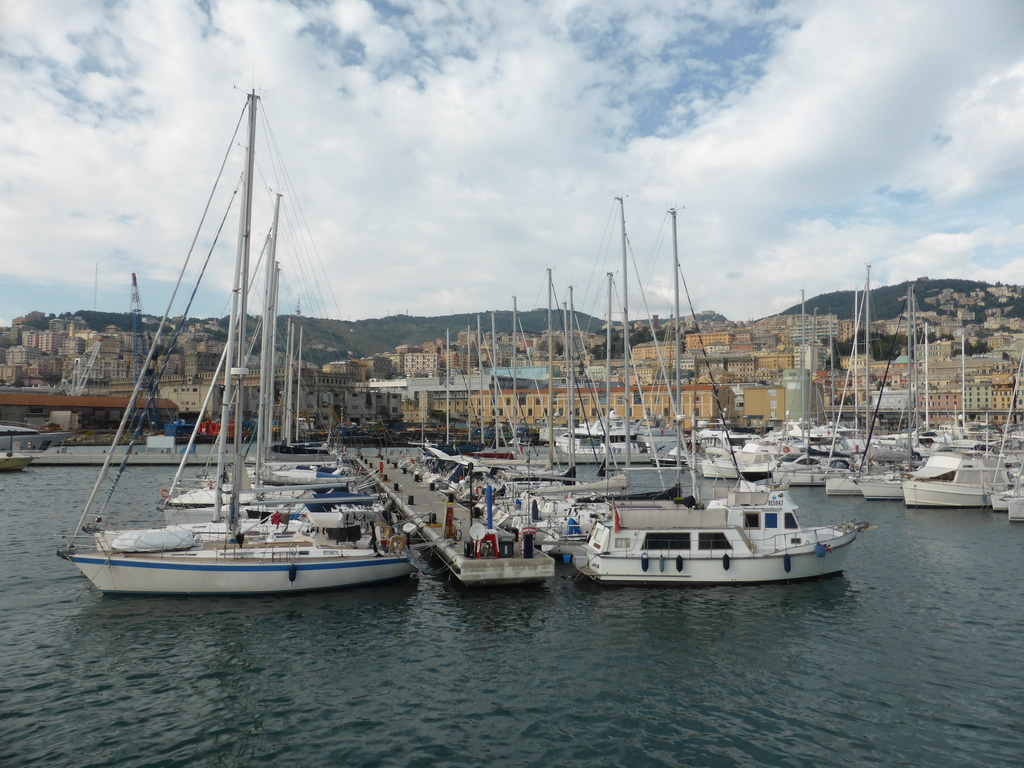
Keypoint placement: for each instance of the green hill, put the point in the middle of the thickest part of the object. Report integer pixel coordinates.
(325, 340)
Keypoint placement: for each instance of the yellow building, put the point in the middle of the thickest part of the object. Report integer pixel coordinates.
(654, 403)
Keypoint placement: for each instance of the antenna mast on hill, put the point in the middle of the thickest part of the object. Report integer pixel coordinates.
(96, 286)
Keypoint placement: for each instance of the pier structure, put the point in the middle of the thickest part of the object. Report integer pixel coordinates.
(474, 555)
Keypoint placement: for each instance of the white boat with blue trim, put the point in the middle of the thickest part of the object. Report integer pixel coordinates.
(192, 565)
(232, 556)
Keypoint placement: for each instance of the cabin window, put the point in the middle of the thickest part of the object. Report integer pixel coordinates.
(716, 540)
(771, 519)
(622, 543)
(791, 521)
(667, 540)
(751, 519)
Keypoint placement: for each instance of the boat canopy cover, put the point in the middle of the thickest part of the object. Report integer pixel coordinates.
(168, 539)
(675, 517)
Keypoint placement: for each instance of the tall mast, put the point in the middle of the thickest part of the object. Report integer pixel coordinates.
(912, 415)
(625, 332)
(803, 375)
(867, 352)
(469, 386)
(264, 421)
(298, 383)
(287, 417)
(494, 383)
(447, 388)
(677, 351)
(480, 369)
(551, 380)
(514, 417)
(606, 413)
(570, 381)
(232, 405)
(927, 386)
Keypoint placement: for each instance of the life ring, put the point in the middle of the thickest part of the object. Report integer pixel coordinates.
(164, 493)
(479, 490)
(785, 449)
(396, 543)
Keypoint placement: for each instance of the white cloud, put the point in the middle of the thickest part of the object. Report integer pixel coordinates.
(445, 154)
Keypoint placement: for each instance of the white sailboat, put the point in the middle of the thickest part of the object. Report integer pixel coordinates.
(173, 560)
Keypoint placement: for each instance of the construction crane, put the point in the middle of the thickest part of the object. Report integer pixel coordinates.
(80, 372)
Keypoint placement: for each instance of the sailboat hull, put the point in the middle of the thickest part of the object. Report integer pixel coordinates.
(208, 572)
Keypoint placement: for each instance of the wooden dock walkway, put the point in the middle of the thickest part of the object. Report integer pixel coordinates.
(494, 559)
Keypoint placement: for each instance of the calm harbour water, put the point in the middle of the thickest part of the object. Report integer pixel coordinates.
(911, 658)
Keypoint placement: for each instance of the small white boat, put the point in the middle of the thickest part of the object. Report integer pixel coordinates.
(881, 487)
(10, 461)
(955, 480)
(751, 536)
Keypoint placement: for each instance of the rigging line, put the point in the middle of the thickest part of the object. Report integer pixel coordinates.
(590, 294)
(711, 376)
(132, 407)
(127, 415)
(885, 378)
(294, 201)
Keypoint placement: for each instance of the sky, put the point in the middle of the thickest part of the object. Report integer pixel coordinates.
(441, 156)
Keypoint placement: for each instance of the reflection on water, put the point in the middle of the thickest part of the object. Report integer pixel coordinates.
(904, 659)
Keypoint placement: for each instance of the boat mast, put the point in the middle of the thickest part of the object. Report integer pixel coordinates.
(494, 383)
(912, 417)
(480, 369)
(514, 414)
(927, 388)
(468, 378)
(606, 414)
(963, 382)
(677, 352)
(570, 412)
(286, 418)
(298, 384)
(447, 388)
(803, 375)
(235, 370)
(867, 352)
(625, 333)
(264, 421)
(551, 381)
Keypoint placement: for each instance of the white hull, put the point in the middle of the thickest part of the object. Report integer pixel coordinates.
(880, 488)
(14, 462)
(842, 486)
(715, 469)
(748, 535)
(253, 572)
(708, 569)
(926, 493)
(1015, 509)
